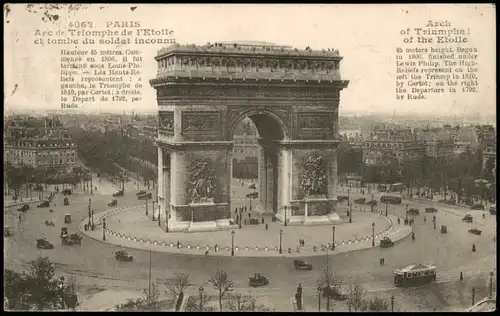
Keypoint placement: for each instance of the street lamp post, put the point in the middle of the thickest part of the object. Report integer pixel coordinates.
(240, 217)
(232, 243)
(350, 214)
(200, 290)
(386, 207)
(159, 215)
(372, 202)
(90, 215)
(333, 237)
(373, 234)
(92, 220)
(319, 299)
(104, 229)
(285, 215)
(146, 207)
(62, 292)
(406, 211)
(491, 284)
(392, 303)
(348, 196)
(167, 217)
(281, 239)
(153, 210)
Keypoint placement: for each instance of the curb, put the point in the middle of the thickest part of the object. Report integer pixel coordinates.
(314, 251)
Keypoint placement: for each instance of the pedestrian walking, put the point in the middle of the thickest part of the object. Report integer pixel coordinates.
(216, 248)
(483, 215)
(425, 220)
(249, 214)
(380, 261)
(399, 221)
(461, 276)
(383, 261)
(262, 220)
(206, 253)
(178, 244)
(267, 226)
(473, 248)
(19, 216)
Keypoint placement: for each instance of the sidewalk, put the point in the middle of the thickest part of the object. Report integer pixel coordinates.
(131, 228)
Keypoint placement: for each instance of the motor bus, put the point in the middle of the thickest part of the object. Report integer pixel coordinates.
(390, 199)
(415, 275)
(396, 187)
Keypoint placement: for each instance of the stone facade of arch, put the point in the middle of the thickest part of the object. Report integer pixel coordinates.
(293, 98)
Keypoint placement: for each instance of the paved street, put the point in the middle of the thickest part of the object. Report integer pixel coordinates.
(95, 266)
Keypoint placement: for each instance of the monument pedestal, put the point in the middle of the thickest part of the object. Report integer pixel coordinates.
(203, 216)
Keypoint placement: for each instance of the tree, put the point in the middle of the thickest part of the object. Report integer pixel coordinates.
(328, 282)
(378, 305)
(177, 284)
(36, 288)
(356, 297)
(242, 303)
(149, 303)
(221, 282)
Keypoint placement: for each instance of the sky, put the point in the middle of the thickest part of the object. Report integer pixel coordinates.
(366, 36)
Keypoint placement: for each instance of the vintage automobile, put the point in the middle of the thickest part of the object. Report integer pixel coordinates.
(444, 229)
(73, 239)
(141, 192)
(145, 196)
(372, 202)
(430, 210)
(122, 255)
(66, 192)
(475, 231)
(493, 210)
(477, 207)
(360, 201)
(49, 223)
(23, 208)
(338, 294)
(6, 231)
(66, 201)
(119, 193)
(38, 187)
(67, 218)
(468, 218)
(43, 204)
(341, 198)
(113, 203)
(302, 265)
(414, 211)
(257, 280)
(386, 242)
(43, 243)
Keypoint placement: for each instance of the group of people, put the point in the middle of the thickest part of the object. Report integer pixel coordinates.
(408, 222)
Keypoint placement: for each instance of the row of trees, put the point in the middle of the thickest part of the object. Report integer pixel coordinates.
(38, 289)
(176, 288)
(109, 151)
(25, 175)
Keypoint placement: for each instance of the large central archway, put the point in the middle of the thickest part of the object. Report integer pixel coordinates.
(291, 96)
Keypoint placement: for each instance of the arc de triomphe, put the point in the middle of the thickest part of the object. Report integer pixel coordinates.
(291, 95)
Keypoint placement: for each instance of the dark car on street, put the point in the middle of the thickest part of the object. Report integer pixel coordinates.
(113, 203)
(146, 196)
(302, 265)
(430, 210)
(119, 193)
(468, 218)
(43, 204)
(7, 232)
(24, 208)
(122, 255)
(475, 231)
(258, 280)
(386, 242)
(66, 192)
(414, 211)
(43, 243)
(372, 202)
(66, 201)
(335, 293)
(141, 192)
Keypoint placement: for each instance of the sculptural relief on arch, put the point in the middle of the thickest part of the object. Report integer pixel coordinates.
(292, 96)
